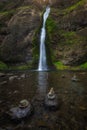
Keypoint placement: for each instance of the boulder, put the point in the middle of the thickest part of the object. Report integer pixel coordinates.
(2, 74)
(23, 110)
(13, 77)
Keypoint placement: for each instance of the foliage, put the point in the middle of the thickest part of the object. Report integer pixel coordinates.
(59, 65)
(3, 66)
(20, 67)
(35, 47)
(83, 66)
(51, 25)
(24, 7)
(75, 6)
(70, 37)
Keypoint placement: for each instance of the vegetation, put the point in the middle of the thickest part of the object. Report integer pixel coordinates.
(25, 66)
(51, 25)
(83, 66)
(60, 66)
(24, 7)
(71, 37)
(21, 67)
(3, 66)
(79, 4)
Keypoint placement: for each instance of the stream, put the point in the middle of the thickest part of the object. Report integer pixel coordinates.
(33, 86)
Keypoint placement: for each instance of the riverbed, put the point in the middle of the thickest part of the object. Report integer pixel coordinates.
(33, 86)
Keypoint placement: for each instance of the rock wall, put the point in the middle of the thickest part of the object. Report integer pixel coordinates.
(68, 36)
(17, 44)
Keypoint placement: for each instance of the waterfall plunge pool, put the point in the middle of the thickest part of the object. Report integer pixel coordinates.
(33, 86)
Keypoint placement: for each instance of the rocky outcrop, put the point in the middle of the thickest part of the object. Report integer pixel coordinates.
(17, 45)
(69, 37)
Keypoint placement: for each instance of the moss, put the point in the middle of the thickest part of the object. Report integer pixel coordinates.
(7, 13)
(71, 37)
(10, 4)
(83, 66)
(24, 7)
(3, 66)
(59, 65)
(20, 67)
(36, 47)
(69, 9)
(75, 6)
(51, 25)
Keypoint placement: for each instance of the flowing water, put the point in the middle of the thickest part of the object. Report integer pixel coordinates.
(42, 59)
(33, 86)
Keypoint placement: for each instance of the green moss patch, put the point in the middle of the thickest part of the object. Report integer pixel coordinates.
(51, 25)
(70, 37)
(3, 66)
(59, 65)
(7, 13)
(21, 67)
(75, 6)
(24, 7)
(83, 66)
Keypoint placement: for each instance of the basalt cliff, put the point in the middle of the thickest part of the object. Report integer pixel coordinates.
(20, 24)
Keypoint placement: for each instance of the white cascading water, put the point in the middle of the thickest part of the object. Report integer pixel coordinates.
(42, 59)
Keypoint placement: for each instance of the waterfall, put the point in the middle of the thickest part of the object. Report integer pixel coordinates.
(42, 59)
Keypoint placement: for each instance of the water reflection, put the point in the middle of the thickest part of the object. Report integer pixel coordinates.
(42, 83)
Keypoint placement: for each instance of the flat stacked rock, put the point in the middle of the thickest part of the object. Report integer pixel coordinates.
(24, 110)
(75, 79)
(51, 100)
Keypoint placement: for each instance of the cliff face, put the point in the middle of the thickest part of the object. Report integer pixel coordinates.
(66, 30)
(68, 36)
(16, 44)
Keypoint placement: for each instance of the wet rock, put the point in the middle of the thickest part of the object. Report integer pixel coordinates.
(9, 74)
(19, 78)
(0, 101)
(10, 93)
(75, 79)
(12, 78)
(51, 100)
(2, 74)
(4, 82)
(63, 76)
(22, 111)
(2, 129)
(16, 92)
(23, 76)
